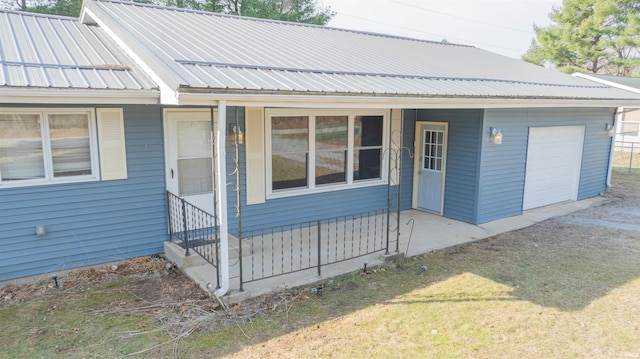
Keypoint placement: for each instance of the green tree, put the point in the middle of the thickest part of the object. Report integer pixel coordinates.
(598, 36)
(305, 11)
(59, 7)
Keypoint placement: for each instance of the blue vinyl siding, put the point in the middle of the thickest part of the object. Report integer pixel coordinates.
(408, 142)
(503, 166)
(463, 154)
(90, 222)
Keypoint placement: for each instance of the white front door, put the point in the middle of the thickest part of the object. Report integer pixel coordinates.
(189, 156)
(430, 164)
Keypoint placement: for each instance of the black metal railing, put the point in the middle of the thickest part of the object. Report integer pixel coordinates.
(194, 229)
(275, 251)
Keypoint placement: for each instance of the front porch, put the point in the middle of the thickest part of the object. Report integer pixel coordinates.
(420, 232)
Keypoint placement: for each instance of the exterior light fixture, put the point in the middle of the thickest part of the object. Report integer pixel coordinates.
(495, 135)
(611, 130)
(40, 231)
(236, 131)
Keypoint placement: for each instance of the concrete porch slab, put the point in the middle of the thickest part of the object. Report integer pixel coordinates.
(429, 232)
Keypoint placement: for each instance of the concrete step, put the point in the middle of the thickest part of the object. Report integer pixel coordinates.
(176, 254)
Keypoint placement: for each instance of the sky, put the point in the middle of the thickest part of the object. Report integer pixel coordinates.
(501, 26)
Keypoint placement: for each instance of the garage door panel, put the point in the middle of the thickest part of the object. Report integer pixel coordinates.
(554, 157)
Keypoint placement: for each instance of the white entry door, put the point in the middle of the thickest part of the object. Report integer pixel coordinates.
(430, 164)
(554, 159)
(189, 156)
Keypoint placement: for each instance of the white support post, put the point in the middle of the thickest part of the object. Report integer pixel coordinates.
(222, 198)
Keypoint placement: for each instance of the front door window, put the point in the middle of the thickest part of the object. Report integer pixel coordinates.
(194, 157)
(433, 150)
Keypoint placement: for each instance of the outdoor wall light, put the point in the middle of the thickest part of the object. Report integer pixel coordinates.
(236, 131)
(611, 130)
(40, 231)
(495, 135)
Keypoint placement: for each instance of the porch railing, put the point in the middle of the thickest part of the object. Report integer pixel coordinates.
(275, 251)
(194, 229)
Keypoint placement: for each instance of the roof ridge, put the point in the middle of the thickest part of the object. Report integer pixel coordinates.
(282, 22)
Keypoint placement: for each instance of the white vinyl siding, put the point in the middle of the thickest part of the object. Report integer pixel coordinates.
(113, 155)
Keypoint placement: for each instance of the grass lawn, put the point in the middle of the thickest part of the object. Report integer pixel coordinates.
(627, 161)
(557, 289)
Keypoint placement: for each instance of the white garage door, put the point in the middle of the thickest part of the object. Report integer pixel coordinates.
(554, 157)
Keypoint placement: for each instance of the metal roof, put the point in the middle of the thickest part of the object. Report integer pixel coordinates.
(627, 83)
(44, 51)
(193, 51)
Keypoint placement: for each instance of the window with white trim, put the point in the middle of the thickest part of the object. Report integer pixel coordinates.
(44, 146)
(321, 150)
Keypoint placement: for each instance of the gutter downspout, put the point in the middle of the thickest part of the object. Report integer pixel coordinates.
(613, 144)
(222, 198)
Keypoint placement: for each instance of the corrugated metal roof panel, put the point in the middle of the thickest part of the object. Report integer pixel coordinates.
(58, 52)
(199, 50)
(631, 83)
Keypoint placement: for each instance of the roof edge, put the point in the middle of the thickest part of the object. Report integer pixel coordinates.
(606, 82)
(37, 14)
(247, 18)
(385, 101)
(47, 95)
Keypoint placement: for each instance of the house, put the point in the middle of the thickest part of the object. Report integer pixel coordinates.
(81, 177)
(317, 123)
(628, 118)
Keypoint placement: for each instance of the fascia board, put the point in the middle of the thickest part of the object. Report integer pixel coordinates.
(168, 94)
(311, 101)
(79, 96)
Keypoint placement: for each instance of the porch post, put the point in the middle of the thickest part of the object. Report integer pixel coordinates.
(222, 197)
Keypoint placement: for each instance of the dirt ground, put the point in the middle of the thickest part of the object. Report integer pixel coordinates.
(161, 292)
(145, 276)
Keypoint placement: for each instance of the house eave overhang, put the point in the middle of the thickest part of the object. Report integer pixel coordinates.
(323, 100)
(30, 95)
(608, 83)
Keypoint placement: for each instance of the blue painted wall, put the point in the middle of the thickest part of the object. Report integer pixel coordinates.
(409, 118)
(463, 157)
(91, 222)
(502, 169)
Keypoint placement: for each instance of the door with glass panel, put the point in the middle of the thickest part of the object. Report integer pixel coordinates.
(189, 158)
(430, 165)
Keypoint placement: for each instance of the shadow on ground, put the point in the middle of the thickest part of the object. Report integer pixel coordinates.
(563, 264)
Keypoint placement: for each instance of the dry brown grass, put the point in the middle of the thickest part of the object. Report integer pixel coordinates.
(564, 288)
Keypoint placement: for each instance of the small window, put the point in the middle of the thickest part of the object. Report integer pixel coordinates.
(290, 152)
(433, 150)
(70, 147)
(367, 151)
(21, 153)
(331, 149)
(194, 157)
(45, 146)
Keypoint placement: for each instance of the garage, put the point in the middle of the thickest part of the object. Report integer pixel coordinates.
(554, 158)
